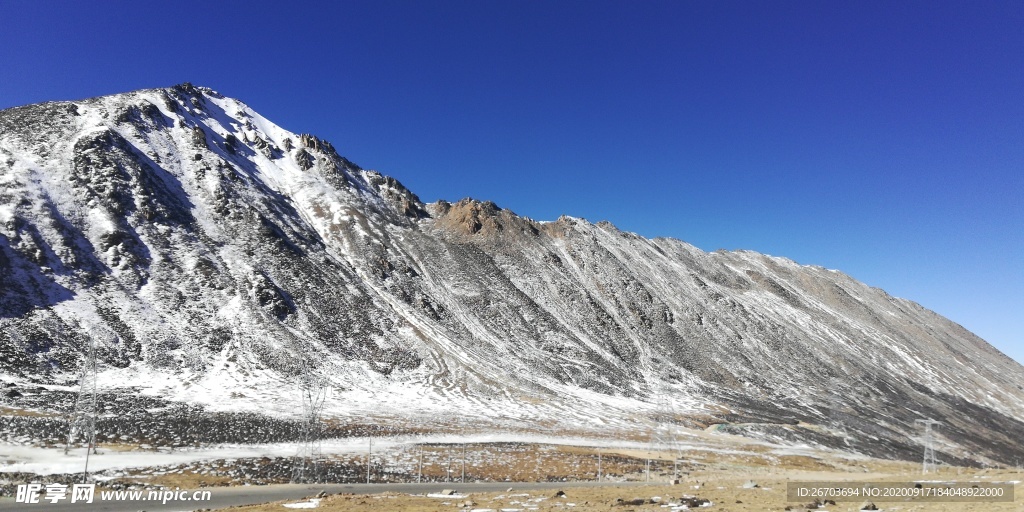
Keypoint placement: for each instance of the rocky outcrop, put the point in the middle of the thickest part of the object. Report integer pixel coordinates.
(484, 218)
(195, 247)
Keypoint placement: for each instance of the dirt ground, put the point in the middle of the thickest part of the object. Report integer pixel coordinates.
(716, 468)
(728, 490)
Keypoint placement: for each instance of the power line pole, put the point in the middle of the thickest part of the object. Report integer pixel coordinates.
(928, 440)
(663, 432)
(369, 458)
(536, 462)
(419, 473)
(83, 418)
(837, 408)
(449, 478)
(314, 394)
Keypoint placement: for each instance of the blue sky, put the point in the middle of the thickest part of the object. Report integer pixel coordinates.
(885, 139)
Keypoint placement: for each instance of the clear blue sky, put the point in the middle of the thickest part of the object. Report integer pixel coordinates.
(885, 139)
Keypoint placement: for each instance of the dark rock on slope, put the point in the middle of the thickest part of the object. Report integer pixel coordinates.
(210, 255)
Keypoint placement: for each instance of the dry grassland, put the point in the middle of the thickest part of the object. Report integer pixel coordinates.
(721, 481)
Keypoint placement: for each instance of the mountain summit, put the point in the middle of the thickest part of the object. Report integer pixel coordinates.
(215, 258)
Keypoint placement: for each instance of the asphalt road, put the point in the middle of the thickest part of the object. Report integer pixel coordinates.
(221, 497)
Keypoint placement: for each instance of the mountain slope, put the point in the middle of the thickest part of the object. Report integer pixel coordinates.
(212, 255)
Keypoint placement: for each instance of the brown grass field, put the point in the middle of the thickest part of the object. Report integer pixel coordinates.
(719, 479)
(723, 489)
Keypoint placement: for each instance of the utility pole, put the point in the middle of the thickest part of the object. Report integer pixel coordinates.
(538, 454)
(837, 408)
(929, 445)
(369, 459)
(314, 393)
(449, 463)
(599, 469)
(463, 461)
(419, 474)
(663, 431)
(83, 418)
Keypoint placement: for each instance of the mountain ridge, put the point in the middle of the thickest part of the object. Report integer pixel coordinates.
(212, 254)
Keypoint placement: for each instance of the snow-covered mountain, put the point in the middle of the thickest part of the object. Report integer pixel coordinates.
(212, 255)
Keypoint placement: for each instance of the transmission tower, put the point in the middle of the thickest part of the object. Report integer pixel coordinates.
(837, 409)
(929, 462)
(82, 423)
(314, 393)
(663, 434)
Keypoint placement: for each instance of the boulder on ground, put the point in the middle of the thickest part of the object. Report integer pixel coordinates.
(632, 502)
(694, 502)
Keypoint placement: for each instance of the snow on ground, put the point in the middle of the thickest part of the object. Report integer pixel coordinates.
(514, 347)
(45, 461)
(312, 503)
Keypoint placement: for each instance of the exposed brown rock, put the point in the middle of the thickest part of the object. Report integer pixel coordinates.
(470, 217)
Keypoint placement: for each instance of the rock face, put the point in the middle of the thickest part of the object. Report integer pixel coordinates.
(211, 255)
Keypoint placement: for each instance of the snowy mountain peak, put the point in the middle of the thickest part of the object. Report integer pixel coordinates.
(215, 258)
